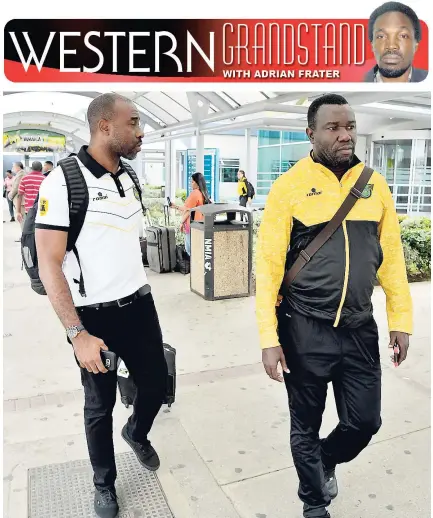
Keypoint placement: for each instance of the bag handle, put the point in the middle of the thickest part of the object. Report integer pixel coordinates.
(322, 237)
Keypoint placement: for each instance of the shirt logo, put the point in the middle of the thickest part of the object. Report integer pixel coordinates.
(368, 191)
(100, 197)
(43, 206)
(314, 192)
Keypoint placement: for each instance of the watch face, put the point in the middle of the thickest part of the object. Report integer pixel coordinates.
(72, 332)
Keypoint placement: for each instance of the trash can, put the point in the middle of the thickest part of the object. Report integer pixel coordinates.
(221, 251)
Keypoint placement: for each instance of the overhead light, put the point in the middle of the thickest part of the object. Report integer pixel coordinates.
(200, 103)
(391, 118)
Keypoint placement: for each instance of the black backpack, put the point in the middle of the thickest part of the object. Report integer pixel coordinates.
(250, 190)
(78, 199)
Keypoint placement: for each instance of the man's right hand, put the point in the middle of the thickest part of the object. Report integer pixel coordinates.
(19, 217)
(271, 357)
(88, 352)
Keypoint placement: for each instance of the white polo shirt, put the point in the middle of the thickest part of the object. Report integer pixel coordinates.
(108, 245)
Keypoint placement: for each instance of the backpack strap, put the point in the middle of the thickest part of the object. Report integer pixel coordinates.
(78, 199)
(132, 174)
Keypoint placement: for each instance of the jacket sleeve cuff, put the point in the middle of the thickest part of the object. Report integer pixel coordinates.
(269, 339)
(403, 324)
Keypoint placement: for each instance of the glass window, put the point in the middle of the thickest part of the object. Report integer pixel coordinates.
(294, 136)
(269, 138)
(268, 160)
(229, 168)
(403, 153)
(291, 153)
(422, 162)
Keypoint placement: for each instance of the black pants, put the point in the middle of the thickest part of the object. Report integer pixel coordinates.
(316, 354)
(243, 203)
(11, 207)
(133, 333)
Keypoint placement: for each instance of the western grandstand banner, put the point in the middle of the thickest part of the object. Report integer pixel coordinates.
(33, 141)
(321, 50)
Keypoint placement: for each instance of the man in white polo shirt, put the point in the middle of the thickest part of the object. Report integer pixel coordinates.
(115, 311)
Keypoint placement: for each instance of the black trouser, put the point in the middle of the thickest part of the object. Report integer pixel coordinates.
(243, 203)
(134, 334)
(11, 207)
(316, 354)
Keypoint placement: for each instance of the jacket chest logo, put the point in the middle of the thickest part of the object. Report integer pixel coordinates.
(314, 192)
(100, 196)
(368, 191)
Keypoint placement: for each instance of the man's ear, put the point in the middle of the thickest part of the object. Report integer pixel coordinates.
(310, 134)
(416, 46)
(104, 126)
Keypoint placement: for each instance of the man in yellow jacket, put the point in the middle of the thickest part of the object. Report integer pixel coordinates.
(323, 330)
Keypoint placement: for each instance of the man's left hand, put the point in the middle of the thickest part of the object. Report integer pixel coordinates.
(402, 341)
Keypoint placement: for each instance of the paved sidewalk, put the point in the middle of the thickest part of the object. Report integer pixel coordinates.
(224, 445)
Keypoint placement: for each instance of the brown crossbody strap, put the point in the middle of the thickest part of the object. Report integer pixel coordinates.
(306, 255)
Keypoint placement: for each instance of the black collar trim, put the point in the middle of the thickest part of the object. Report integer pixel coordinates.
(95, 167)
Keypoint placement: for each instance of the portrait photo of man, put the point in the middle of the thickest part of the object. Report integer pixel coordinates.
(394, 31)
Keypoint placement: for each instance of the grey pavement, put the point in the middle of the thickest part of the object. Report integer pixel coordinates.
(224, 444)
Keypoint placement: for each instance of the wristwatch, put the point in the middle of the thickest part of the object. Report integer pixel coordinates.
(73, 331)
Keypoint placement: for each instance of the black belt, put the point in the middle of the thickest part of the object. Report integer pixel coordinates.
(144, 290)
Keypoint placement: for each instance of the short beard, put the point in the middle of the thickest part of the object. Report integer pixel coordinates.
(118, 147)
(129, 156)
(333, 161)
(392, 73)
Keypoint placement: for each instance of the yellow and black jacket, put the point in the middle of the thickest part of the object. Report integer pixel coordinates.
(242, 187)
(337, 284)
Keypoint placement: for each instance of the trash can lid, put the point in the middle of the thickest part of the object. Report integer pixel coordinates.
(218, 208)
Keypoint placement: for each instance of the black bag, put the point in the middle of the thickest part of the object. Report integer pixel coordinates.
(250, 190)
(127, 388)
(161, 249)
(143, 246)
(183, 264)
(78, 201)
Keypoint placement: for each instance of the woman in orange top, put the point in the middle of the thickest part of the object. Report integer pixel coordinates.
(199, 196)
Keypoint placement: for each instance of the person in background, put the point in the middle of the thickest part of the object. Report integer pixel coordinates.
(243, 189)
(8, 183)
(199, 196)
(47, 168)
(29, 189)
(18, 171)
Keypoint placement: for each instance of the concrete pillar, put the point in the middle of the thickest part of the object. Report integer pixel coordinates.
(368, 159)
(170, 171)
(247, 165)
(199, 154)
(138, 166)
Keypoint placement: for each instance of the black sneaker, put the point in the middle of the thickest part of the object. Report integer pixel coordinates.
(146, 454)
(331, 482)
(106, 503)
(12, 219)
(315, 512)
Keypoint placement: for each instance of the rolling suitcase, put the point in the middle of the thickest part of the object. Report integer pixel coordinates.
(161, 247)
(127, 388)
